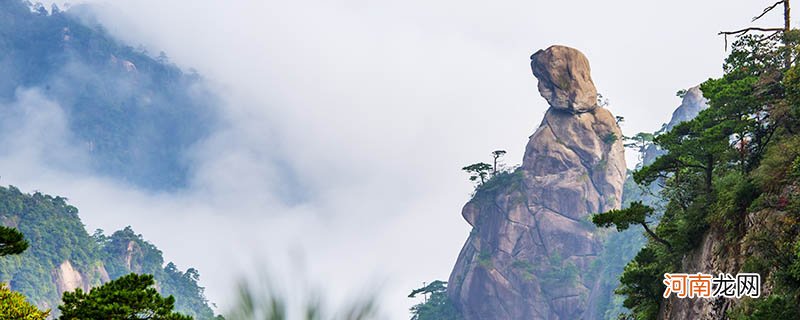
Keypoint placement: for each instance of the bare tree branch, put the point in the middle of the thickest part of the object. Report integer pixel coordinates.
(775, 31)
(746, 30)
(768, 9)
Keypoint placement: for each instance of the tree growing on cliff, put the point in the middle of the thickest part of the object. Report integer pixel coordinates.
(436, 306)
(129, 297)
(496, 155)
(478, 171)
(639, 143)
(636, 213)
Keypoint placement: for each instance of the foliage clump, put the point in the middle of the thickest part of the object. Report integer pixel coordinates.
(13, 305)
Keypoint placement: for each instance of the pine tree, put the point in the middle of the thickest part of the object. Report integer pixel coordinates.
(130, 297)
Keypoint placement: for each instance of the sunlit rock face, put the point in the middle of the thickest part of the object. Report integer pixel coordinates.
(533, 251)
(565, 79)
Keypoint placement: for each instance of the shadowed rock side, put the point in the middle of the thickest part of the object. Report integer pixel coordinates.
(532, 253)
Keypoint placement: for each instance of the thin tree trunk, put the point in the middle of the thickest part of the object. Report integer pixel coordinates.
(656, 238)
(787, 17)
(709, 175)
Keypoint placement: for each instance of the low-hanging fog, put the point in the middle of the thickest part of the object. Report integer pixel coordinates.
(345, 125)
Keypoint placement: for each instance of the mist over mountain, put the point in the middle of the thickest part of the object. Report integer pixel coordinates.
(82, 103)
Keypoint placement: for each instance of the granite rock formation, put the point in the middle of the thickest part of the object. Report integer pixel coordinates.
(533, 251)
(565, 79)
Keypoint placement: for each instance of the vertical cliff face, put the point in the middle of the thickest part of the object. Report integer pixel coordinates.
(69, 278)
(533, 252)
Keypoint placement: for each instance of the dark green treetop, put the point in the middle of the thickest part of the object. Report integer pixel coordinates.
(11, 241)
(478, 171)
(129, 297)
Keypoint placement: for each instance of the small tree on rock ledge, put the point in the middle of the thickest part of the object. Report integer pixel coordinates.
(478, 171)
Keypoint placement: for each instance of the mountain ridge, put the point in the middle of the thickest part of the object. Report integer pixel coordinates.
(63, 257)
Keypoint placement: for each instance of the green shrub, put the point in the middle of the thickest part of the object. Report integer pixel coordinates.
(525, 268)
(485, 259)
(502, 180)
(735, 194)
(769, 308)
(796, 168)
(14, 306)
(610, 138)
(780, 163)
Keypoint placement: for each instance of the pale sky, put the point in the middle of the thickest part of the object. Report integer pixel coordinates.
(372, 107)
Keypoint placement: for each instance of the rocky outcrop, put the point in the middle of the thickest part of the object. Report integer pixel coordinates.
(693, 102)
(133, 250)
(533, 252)
(565, 79)
(67, 278)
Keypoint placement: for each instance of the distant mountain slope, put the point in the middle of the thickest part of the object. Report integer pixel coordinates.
(691, 104)
(135, 115)
(62, 256)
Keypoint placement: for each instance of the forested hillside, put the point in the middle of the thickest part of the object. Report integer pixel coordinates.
(62, 256)
(729, 179)
(134, 113)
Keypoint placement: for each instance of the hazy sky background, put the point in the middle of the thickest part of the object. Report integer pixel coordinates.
(347, 123)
